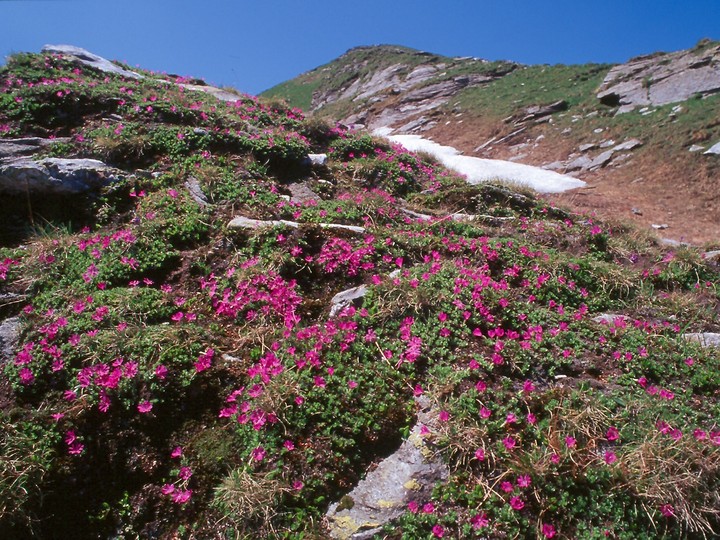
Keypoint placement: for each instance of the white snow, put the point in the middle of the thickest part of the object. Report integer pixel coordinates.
(479, 170)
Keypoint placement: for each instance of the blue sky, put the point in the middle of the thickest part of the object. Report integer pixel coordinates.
(255, 45)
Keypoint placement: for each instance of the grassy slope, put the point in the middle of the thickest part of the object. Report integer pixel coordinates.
(176, 378)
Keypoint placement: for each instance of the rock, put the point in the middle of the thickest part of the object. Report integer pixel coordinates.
(587, 146)
(408, 474)
(636, 211)
(630, 144)
(193, 186)
(712, 255)
(539, 111)
(662, 78)
(54, 176)
(554, 166)
(705, 339)
(301, 192)
(601, 160)
(87, 58)
(9, 336)
(610, 318)
(659, 226)
(242, 222)
(607, 144)
(696, 148)
(28, 145)
(345, 298)
(317, 160)
(714, 149)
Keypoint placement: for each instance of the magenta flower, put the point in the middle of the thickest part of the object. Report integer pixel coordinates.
(609, 457)
(176, 452)
(185, 473)
(181, 497)
(612, 434)
(509, 442)
(413, 507)
(478, 521)
(444, 416)
(428, 508)
(570, 442)
(667, 510)
(548, 530)
(168, 489)
(480, 454)
(516, 503)
(524, 481)
(258, 454)
(438, 531)
(145, 407)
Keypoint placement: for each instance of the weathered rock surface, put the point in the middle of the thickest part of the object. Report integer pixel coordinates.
(301, 192)
(9, 336)
(345, 298)
(706, 339)
(408, 474)
(195, 189)
(87, 58)
(714, 149)
(26, 146)
(662, 78)
(54, 176)
(242, 222)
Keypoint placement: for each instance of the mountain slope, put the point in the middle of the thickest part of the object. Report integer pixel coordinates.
(220, 319)
(561, 117)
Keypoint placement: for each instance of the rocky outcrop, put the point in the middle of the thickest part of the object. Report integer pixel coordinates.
(54, 176)
(26, 146)
(9, 336)
(407, 475)
(705, 339)
(663, 78)
(89, 59)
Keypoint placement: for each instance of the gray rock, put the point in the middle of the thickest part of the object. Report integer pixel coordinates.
(662, 78)
(317, 160)
(242, 222)
(581, 163)
(539, 111)
(192, 184)
(587, 146)
(28, 145)
(345, 298)
(408, 474)
(87, 58)
(601, 160)
(9, 336)
(607, 144)
(705, 339)
(301, 192)
(714, 149)
(630, 144)
(54, 175)
(659, 226)
(696, 148)
(609, 318)
(712, 255)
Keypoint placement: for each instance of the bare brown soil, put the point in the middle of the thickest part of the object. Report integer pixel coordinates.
(681, 191)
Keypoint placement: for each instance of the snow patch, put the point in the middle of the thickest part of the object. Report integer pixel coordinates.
(478, 170)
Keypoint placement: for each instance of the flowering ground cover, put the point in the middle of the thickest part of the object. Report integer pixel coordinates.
(176, 378)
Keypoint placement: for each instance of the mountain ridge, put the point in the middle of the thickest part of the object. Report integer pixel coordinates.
(505, 113)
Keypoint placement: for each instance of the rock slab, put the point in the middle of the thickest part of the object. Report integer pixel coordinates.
(54, 176)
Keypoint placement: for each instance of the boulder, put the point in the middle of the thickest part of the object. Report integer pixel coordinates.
(407, 475)
(54, 176)
(87, 58)
(630, 144)
(540, 111)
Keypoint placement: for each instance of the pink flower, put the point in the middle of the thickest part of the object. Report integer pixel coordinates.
(185, 473)
(570, 442)
(480, 454)
(161, 371)
(444, 416)
(413, 507)
(428, 508)
(548, 530)
(524, 481)
(167, 489)
(612, 434)
(478, 521)
(181, 497)
(516, 503)
(145, 407)
(297, 485)
(609, 457)
(509, 442)
(289, 445)
(507, 487)
(667, 510)
(438, 531)
(176, 452)
(258, 454)
(531, 419)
